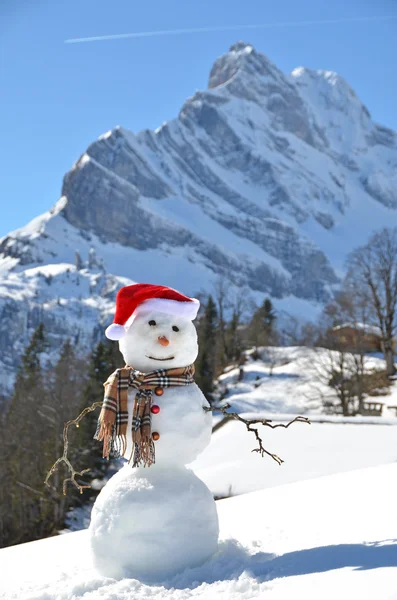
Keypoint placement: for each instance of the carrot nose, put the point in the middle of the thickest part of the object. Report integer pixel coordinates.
(163, 340)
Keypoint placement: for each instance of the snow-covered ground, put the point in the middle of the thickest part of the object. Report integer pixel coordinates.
(321, 525)
(294, 386)
(228, 467)
(331, 444)
(330, 537)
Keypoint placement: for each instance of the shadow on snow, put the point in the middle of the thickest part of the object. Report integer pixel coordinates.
(232, 560)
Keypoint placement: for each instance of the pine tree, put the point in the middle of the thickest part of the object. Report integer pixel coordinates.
(261, 328)
(234, 341)
(30, 364)
(78, 261)
(104, 360)
(24, 504)
(207, 361)
(268, 316)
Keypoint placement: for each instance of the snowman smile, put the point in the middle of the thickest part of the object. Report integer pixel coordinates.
(154, 358)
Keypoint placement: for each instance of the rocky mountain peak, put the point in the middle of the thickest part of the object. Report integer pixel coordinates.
(332, 90)
(243, 59)
(241, 47)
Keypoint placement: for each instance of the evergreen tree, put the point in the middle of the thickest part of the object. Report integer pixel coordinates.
(24, 505)
(30, 364)
(267, 316)
(208, 360)
(234, 341)
(78, 261)
(261, 328)
(104, 360)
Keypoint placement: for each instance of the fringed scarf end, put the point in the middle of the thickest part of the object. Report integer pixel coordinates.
(143, 454)
(112, 443)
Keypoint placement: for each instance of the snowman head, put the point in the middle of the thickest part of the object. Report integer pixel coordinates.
(154, 327)
(158, 340)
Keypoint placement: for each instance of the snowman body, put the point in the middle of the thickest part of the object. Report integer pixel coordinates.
(183, 425)
(151, 522)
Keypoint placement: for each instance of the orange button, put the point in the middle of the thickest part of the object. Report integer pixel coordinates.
(155, 436)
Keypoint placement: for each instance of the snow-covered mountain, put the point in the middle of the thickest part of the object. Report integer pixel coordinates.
(265, 178)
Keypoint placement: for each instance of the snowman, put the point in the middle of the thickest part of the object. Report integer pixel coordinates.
(154, 518)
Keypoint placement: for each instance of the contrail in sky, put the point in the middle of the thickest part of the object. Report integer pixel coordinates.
(141, 34)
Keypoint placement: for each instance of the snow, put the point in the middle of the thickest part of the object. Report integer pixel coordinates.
(191, 216)
(310, 539)
(331, 444)
(69, 302)
(152, 265)
(294, 386)
(229, 467)
(302, 310)
(336, 107)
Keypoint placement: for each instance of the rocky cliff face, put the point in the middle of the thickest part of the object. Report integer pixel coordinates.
(264, 178)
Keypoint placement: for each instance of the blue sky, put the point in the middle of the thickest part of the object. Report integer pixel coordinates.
(56, 98)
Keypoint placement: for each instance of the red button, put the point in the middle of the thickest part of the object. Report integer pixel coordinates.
(155, 409)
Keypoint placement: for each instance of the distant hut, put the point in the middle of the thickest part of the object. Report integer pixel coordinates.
(352, 336)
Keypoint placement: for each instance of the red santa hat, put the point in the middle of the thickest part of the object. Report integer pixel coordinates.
(144, 297)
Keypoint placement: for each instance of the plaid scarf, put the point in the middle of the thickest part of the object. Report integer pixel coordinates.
(113, 420)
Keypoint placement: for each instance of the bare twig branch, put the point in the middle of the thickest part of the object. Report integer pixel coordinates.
(27, 487)
(223, 409)
(249, 425)
(64, 457)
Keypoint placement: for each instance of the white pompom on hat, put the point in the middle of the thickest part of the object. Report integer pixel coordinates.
(145, 297)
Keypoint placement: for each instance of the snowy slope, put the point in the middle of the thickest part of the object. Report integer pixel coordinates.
(265, 178)
(229, 467)
(330, 444)
(329, 537)
(291, 380)
(72, 303)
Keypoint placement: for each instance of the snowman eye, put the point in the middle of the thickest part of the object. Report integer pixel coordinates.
(175, 328)
(152, 323)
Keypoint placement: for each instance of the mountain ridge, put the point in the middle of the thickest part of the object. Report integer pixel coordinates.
(264, 178)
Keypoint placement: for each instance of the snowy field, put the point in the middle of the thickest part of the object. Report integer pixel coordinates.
(228, 467)
(330, 537)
